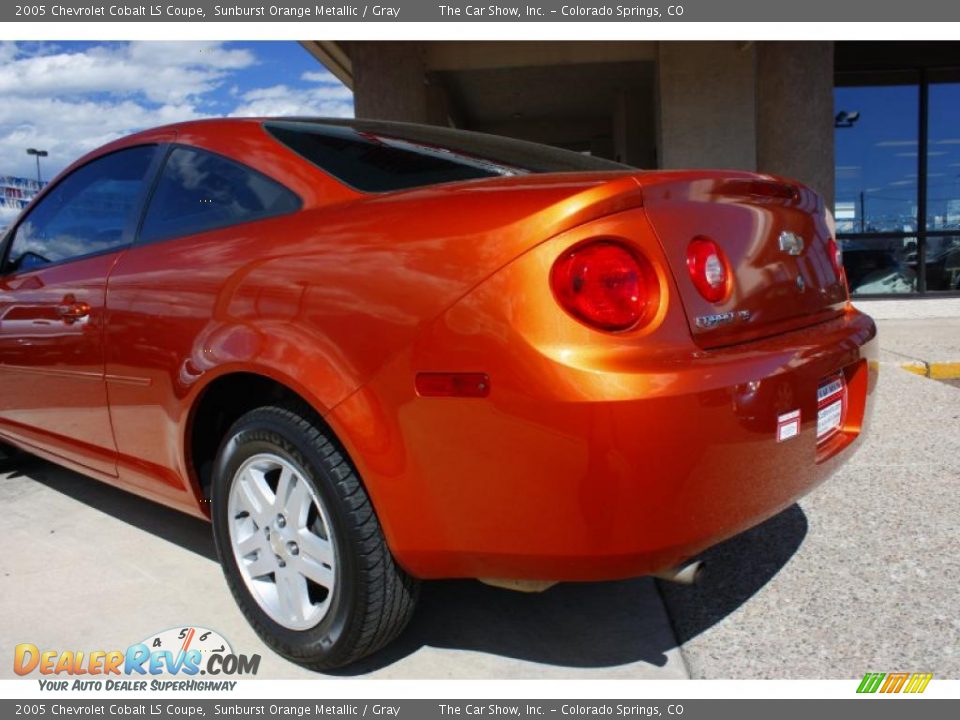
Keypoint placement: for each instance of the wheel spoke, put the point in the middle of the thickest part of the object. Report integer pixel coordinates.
(299, 503)
(255, 495)
(263, 564)
(250, 544)
(320, 574)
(315, 547)
(292, 592)
(284, 484)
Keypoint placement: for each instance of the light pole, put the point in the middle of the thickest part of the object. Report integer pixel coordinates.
(39, 154)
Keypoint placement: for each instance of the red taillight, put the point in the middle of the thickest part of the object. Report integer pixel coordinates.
(708, 268)
(606, 285)
(836, 259)
(452, 385)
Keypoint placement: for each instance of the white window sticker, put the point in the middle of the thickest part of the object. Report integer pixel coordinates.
(829, 417)
(788, 425)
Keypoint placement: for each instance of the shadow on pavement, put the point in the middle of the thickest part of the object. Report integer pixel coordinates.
(596, 625)
(734, 571)
(582, 625)
(188, 532)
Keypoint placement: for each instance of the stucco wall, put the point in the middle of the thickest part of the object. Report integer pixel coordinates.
(707, 105)
(795, 112)
(389, 81)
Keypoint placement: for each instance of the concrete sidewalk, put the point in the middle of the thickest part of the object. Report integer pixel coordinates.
(921, 336)
(928, 347)
(863, 574)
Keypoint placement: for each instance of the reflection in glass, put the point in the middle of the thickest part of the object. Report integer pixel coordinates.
(880, 266)
(943, 263)
(943, 158)
(199, 191)
(876, 159)
(87, 212)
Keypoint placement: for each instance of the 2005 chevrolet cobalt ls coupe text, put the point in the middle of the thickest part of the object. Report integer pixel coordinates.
(373, 353)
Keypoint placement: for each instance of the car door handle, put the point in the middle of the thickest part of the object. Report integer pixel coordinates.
(72, 311)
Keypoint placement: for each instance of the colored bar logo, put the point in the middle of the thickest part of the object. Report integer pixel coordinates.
(894, 682)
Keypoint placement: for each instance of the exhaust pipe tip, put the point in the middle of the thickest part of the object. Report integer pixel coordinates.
(687, 574)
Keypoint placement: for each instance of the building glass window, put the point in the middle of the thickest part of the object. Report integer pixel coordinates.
(877, 141)
(897, 139)
(880, 265)
(942, 257)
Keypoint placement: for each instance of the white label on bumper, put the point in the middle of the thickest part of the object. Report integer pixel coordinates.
(829, 417)
(788, 425)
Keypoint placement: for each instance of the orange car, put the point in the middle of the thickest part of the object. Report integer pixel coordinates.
(374, 353)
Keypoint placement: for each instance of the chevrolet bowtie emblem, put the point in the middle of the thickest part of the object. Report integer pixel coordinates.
(791, 243)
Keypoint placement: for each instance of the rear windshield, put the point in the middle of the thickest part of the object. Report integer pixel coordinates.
(381, 157)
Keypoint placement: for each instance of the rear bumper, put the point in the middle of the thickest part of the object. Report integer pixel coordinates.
(605, 475)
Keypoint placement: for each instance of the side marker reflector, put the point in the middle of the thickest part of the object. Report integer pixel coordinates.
(475, 385)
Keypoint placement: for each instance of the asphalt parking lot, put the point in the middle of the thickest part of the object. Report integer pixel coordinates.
(861, 575)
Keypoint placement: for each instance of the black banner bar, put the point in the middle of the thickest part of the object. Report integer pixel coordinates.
(479, 11)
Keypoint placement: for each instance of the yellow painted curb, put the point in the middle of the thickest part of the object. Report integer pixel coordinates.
(917, 368)
(936, 371)
(944, 371)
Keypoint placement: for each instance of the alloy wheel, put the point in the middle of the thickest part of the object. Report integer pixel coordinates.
(282, 541)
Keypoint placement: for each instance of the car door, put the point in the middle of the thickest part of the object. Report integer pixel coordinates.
(198, 239)
(52, 308)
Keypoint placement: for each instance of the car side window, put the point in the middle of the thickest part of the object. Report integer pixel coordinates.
(87, 212)
(199, 190)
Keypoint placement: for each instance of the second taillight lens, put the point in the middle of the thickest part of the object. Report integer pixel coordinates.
(836, 260)
(606, 285)
(709, 269)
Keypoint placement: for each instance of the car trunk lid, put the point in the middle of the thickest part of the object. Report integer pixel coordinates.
(776, 236)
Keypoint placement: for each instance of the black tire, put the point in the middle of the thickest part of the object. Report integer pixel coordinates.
(373, 598)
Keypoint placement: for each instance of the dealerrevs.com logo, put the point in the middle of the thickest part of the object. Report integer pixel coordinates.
(169, 660)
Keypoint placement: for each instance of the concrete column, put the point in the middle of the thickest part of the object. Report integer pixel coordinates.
(633, 130)
(795, 113)
(707, 105)
(390, 83)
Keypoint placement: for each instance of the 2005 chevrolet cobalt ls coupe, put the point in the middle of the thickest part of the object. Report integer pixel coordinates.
(373, 353)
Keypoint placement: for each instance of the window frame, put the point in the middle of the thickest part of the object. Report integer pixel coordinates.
(922, 233)
(167, 150)
(129, 230)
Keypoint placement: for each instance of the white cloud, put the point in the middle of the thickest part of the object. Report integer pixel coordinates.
(321, 76)
(159, 71)
(190, 53)
(69, 100)
(324, 100)
(68, 129)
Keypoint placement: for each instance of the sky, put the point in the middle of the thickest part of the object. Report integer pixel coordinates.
(70, 97)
